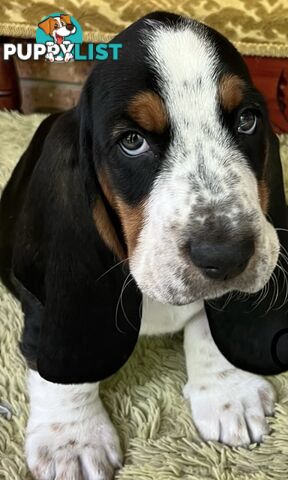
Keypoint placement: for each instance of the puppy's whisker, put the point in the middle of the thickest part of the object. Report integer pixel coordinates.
(126, 282)
(229, 298)
(121, 302)
(118, 303)
(275, 292)
(260, 297)
(112, 268)
(284, 286)
(285, 254)
(211, 303)
(140, 308)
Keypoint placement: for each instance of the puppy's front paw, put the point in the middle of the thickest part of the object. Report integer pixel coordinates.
(231, 407)
(88, 449)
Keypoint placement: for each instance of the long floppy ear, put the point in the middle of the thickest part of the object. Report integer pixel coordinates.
(81, 305)
(46, 25)
(255, 337)
(66, 18)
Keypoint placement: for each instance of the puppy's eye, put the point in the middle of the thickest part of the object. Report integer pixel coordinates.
(134, 144)
(247, 122)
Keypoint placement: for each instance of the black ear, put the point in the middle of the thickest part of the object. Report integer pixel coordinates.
(81, 306)
(255, 338)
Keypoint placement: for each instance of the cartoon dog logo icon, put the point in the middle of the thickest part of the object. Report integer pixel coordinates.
(58, 28)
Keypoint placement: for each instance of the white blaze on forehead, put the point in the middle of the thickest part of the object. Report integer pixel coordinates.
(186, 64)
(183, 56)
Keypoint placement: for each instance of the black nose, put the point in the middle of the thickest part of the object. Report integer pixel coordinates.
(224, 260)
(69, 27)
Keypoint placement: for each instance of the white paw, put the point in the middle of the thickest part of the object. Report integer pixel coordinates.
(231, 406)
(86, 450)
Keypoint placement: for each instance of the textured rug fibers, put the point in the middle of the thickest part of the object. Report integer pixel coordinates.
(144, 399)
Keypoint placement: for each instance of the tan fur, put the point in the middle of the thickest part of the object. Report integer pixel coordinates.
(148, 110)
(131, 217)
(106, 229)
(231, 91)
(263, 192)
(132, 221)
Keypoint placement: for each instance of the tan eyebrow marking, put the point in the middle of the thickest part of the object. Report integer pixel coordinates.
(148, 110)
(231, 91)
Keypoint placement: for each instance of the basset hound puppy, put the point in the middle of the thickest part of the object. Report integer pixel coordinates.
(123, 216)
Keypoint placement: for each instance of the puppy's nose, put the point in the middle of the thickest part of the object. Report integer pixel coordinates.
(222, 261)
(69, 27)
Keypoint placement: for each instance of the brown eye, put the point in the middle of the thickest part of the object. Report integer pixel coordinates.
(247, 122)
(56, 25)
(134, 144)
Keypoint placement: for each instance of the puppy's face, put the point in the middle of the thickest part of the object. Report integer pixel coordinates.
(183, 144)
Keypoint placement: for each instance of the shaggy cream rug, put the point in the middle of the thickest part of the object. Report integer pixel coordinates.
(144, 398)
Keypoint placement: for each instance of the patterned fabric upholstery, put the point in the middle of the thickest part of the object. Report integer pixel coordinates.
(256, 27)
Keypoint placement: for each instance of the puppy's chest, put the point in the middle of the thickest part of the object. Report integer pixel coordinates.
(158, 318)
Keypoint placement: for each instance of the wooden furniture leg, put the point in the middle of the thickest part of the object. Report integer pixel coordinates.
(10, 97)
(270, 76)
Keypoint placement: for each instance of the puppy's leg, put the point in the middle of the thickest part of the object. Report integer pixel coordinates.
(228, 404)
(69, 433)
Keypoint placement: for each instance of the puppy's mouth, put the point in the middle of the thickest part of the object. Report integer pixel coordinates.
(59, 39)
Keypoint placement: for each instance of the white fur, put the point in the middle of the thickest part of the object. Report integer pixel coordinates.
(69, 432)
(228, 404)
(202, 152)
(158, 319)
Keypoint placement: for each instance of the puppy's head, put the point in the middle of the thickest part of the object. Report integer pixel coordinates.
(58, 27)
(182, 141)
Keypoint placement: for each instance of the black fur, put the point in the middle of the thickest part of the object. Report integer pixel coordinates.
(52, 258)
(51, 255)
(57, 256)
